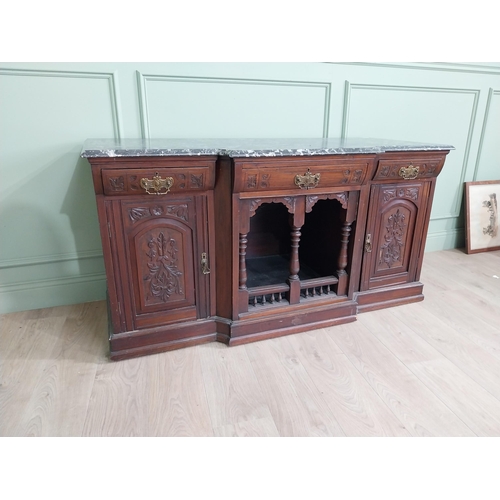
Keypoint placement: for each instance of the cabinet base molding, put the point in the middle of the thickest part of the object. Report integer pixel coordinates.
(251, 330)
(154, 340)
(270, 334)
(388, 297)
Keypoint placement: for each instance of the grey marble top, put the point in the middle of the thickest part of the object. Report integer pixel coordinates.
(94, 148)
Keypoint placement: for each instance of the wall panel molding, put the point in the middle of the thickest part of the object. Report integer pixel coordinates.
(38, 280)
(142, 80)
(349, 87)
(50, 259)
(491, 95)
(110, 77)
(49, 282)
(443, 66)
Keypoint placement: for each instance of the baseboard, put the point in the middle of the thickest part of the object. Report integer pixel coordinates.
(52, 292)
(445, 240)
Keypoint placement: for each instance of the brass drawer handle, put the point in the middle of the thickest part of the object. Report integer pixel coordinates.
(408, 173)
(204, 264)
(156, 184)
(307, 181)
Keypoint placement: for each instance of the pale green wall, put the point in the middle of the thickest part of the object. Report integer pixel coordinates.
(50, 250)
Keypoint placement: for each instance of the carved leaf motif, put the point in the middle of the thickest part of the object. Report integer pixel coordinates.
(288, 201)
(251, 181)
(312, 200)
(264, 181)
(180, 211)
(164, 275)
(196, 181)
(138, 213)
(117, 183)
(384, 171)
(411, 193)
(133, 182)
(392, 249)
(181, 181)
(357, 176)
(342, 197)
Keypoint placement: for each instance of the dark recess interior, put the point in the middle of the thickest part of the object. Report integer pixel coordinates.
(268, 248)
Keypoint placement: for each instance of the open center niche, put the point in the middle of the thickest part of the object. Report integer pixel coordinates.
(278, 251)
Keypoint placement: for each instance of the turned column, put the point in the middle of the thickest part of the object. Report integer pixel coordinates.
(296, 223)
(243, 264)
(342, 260)
(294, 255)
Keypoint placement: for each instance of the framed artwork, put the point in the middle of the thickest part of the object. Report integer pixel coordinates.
(482, 216)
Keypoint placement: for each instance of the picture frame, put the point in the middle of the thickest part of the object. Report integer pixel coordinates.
(482, 220)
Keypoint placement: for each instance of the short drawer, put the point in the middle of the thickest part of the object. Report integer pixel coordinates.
(298, 174)
(158, 181)
(410, 168)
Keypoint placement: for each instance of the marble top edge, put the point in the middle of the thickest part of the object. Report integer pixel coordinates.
(238, 148)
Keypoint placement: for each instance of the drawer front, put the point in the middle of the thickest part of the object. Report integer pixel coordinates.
(157, 181)
(409, 168)
(273, 175)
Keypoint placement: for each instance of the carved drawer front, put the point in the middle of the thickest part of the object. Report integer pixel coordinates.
(409, 168)
(157, 181)
(297, 174)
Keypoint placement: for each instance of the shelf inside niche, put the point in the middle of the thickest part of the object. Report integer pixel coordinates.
(273, 270)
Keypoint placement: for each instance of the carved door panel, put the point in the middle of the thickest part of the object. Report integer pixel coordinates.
(162, 246)
(392, 246)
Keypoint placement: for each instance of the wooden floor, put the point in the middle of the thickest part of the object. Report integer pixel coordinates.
(425, 369)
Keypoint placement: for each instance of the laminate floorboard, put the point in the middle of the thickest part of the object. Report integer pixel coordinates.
(232, 389)
(425, 369)
(420, 411)
(295, 402)
(178, 404)
(474, 405)
(357, 408)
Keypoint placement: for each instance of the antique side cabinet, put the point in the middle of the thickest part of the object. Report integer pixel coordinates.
(157, 229)
(400, 202)
(242, 241)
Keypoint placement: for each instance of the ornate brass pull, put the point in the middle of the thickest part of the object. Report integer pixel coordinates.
(368, 243)
(307, 180)
(408, 173)
(204, 264)
(156, 184)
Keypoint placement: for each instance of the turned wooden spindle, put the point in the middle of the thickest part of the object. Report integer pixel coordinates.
(294, 256)
(344, 242)
(243, 265)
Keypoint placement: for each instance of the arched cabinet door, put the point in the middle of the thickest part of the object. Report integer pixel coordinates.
(393, 243)
(163, 248)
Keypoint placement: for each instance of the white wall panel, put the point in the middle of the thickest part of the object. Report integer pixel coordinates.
(48, 218)
(431, 114)
(230, 107)
(488, 158)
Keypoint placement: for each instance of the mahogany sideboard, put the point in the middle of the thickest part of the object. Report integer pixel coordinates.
(237, 241)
